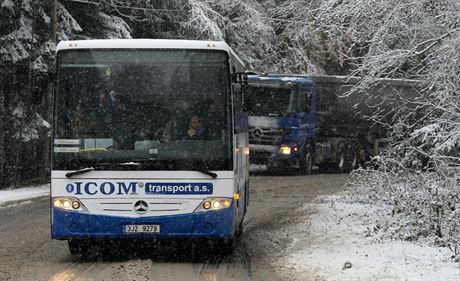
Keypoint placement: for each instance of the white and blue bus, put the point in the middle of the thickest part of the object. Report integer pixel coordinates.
(149, 141)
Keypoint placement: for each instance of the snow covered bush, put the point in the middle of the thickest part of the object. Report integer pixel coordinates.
(425, 204)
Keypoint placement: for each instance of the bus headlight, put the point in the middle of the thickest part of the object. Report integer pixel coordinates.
(206, 205)
(216, 204)
(210, 204)
(71, 204)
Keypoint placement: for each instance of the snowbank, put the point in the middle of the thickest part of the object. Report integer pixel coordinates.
(341, 234)
(11, 195)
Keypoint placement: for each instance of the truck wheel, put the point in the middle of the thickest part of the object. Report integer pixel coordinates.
(353, 157)
(272, 170)
(354, 163)
(340, 160)
(306, 164)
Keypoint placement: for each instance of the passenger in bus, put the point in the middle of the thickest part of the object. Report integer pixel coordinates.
(83, 121)
(196, 129)
(177, 126)
(104, 120)
(213, 117)
(122, 127)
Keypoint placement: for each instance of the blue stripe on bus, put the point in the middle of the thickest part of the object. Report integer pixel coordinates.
(212, 224)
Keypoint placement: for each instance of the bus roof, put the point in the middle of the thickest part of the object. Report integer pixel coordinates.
(146, 44)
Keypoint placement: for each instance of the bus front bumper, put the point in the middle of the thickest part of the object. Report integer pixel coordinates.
(67, 225)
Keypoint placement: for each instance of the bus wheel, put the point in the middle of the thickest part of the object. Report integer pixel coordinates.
(239, 231)
(89, 252)
(226, 246)
(74, 247)
(83, 248)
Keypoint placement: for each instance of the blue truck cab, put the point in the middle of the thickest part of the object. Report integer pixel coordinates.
(303, 123)
(282, 121)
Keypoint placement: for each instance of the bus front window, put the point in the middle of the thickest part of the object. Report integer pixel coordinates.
(144, 105)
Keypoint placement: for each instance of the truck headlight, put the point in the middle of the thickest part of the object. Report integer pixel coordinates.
(285, 150)
(69, 204)
(211, 204)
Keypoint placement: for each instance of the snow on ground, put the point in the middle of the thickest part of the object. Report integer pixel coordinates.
(343, 233)
(13, 195)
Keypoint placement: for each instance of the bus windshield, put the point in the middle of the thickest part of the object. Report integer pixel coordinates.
(166, 108)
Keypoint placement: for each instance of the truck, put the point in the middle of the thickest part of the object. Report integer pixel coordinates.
(308, 123)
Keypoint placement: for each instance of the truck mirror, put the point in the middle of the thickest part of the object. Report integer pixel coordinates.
(307, 102)
(240, 77)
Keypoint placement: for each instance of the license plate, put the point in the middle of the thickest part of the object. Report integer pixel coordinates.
(142, 228)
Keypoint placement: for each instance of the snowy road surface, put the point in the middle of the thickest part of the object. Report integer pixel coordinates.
(28, 253)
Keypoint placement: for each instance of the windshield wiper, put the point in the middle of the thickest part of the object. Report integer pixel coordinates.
(209, 173)
(86, 170)
(79, 172)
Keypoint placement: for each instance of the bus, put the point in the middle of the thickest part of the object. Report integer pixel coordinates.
(149, 142)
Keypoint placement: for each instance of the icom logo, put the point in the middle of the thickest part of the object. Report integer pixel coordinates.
(141, 207)
(105, 188)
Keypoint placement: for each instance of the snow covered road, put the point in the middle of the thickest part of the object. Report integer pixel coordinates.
(28, 253)
(287, 236)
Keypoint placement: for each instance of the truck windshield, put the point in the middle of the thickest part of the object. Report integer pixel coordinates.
(142, 106)
(268, 101)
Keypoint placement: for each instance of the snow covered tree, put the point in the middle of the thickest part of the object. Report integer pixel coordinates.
(405, 39)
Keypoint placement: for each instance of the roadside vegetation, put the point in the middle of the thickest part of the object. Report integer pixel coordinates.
(419, 174)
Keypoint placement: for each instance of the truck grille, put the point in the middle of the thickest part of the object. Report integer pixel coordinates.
(266, 136)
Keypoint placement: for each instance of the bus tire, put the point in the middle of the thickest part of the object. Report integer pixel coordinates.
(229, 246)
(87, 250)
(226, 246)
(239, 230)
(74, 247)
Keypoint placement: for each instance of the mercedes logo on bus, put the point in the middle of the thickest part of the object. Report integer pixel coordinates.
(141, 207)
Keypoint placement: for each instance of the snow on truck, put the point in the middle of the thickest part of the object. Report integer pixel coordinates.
(301, 123)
